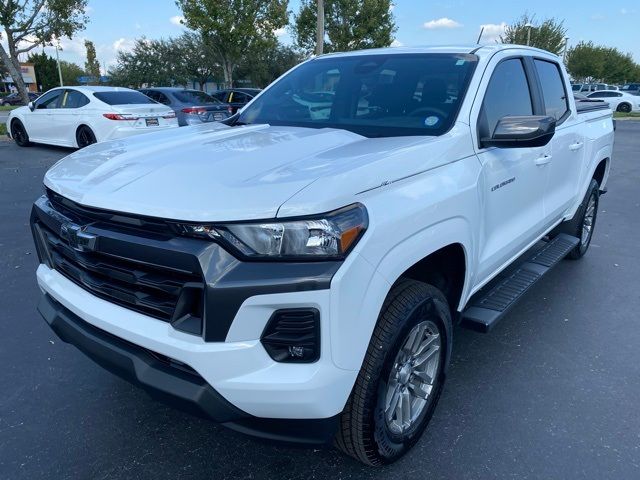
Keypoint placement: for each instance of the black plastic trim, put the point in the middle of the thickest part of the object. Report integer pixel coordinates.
(227, 280)
(173, 382)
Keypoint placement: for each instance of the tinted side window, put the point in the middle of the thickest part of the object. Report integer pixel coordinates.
(49, 100)
(162, 98)
(222, 96)
(507, 94)
(239, 97)
(555, 97)
(73, 99)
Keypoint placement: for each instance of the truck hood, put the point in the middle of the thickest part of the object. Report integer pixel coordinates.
(213, 172)
(201, 173)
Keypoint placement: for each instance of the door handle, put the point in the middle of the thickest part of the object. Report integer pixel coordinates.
(543, 160)
(575, 146)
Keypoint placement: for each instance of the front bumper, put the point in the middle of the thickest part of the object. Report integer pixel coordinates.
(173, 382)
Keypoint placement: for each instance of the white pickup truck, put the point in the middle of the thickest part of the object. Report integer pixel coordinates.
(296, 273)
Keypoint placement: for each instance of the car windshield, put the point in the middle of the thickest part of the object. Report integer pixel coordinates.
(195, 97)
(372, 95)
(122, 97)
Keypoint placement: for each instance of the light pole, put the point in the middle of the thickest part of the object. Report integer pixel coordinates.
(320, 28)
(529, 26)
(58, 62)
(564, 50)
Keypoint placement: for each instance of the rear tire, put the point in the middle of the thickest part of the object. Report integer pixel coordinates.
(85, 136)
(584, 221)
(19, 134)
(624, 107)
(375, 426)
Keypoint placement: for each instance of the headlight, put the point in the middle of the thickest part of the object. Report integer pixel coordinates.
(331, 235)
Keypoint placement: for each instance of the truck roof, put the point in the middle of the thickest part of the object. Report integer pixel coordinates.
(480, 50)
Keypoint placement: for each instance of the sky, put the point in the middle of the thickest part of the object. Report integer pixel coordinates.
(114, 24)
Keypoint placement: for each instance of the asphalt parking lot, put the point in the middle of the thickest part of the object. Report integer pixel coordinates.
(552, 392)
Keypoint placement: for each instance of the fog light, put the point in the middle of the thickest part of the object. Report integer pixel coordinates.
(293, 335)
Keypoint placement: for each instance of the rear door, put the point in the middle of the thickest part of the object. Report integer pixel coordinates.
(512, 179)
(566, 147)
(69, 115)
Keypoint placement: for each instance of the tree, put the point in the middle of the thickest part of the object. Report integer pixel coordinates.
(91, 66)
(590, 62)
(198, 59)
(71, 72)
(150, 62)
(236, 28)
(269, 64)
(348, 24)
(29, 23)
(549, 35)
(46, 70)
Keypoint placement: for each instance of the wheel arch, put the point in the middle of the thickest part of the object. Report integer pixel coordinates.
(601, 172)
(81, 125)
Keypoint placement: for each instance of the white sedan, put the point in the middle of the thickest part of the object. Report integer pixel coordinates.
(617, 100)
(80, 116)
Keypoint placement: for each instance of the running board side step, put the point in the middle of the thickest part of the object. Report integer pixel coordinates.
(491, 305)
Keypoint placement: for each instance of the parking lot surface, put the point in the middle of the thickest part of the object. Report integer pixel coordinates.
(552, 392)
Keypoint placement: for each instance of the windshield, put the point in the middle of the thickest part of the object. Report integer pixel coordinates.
(372, 95)
(195, 96)
(126, 97)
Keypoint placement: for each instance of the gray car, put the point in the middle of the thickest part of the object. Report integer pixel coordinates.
(192, 107)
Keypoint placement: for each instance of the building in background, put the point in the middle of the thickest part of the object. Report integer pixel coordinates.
(28, 72)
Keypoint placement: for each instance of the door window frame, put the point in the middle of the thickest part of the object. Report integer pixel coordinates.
(567, 113)
(537, 102)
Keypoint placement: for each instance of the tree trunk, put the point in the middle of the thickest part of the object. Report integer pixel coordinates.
(14, 72)
(320, 28)
(227, 69)
(13, 67)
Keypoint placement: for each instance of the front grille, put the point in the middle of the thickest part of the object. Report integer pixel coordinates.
(146, 281)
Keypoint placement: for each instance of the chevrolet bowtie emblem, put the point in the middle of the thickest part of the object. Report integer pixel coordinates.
(77, 238)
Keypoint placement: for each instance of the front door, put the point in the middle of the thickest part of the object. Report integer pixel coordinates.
(513, 179)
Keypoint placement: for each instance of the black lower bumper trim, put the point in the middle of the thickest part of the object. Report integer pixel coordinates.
(177, 385)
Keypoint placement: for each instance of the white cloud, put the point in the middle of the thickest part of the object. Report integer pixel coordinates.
(177, 20)
(443, 22)
(397, 43)
(624, 11)
(280, 32)
(598, 16)
(123, 45)
(492, 32)
(391, 7)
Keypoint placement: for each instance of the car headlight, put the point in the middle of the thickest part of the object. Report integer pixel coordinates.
(331, 235)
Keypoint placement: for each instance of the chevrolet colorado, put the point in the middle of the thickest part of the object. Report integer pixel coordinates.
(296, 272)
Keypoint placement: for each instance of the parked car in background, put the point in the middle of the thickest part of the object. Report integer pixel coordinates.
(80, 116)
(16, 99)
(236, 97)
(632, 88)
(593, 87)
(618, 101)
(192, 107)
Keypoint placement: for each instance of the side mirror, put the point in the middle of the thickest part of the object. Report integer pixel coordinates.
(524, 131)
(32, 106)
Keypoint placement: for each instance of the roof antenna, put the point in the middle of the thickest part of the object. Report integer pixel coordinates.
(480, 36)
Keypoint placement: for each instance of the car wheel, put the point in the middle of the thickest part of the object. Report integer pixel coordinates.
(624, 107)
(85, 137)
(401, 378)
(19, 134)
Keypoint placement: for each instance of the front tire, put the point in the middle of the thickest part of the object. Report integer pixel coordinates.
(401, 378)
(85, 137)
(19, 134)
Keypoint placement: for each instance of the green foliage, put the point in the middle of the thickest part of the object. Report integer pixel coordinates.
(150, 62)
(236, 28)
(91, 66)
(269, 64)
(349, 25)
(29, 23)
(196, 54)
(589, 62)
(548, 35)
(46, 70)
(71, 72)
